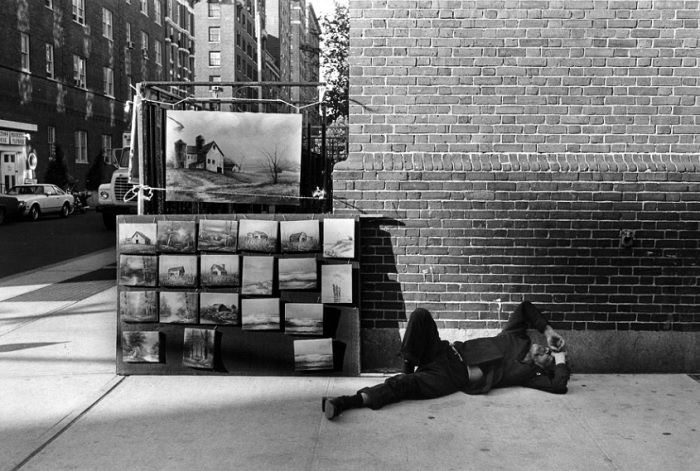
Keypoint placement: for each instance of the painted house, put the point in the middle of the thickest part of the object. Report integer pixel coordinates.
(218, 270)
(176, 272)
(139, 239)
(299, 237)
(257, 235)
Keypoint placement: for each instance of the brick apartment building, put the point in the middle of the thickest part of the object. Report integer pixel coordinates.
(66, 68)
(529, 149)
(227, 49)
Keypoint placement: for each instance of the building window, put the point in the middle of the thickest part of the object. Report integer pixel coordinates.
(215, 79)
(108, 75)
(214, 34)
(156, 11)
(127, 62)
(214, 58)
(239, 64)
(144, 44)
(79, 71)
(214, 10)
(107, 24)
(51, 140)
(158, 50)
(48, 3)
(24, 51)
(81, 147)
(144, 7)
(49, 61)
(106, 141)
(79, 11)
(129, 41)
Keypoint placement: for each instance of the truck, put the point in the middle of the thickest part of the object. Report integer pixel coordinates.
(110, 196)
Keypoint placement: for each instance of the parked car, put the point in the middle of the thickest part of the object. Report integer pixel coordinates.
(9, 208)
(42, 198)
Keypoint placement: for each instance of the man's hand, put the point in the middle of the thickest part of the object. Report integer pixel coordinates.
(554, 340)
(559, 357)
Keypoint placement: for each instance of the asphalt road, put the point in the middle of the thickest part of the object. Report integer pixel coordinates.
(26, 245)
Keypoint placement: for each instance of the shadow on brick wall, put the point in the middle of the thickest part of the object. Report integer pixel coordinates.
(383, 306)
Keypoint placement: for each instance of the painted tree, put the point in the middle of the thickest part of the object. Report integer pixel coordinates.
(335, 45)
(276, 163)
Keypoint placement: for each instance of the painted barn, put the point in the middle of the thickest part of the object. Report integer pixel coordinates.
(139, 239)
(218, 270)
(176, 272)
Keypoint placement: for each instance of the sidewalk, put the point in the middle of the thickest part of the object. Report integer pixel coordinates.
(64, 408)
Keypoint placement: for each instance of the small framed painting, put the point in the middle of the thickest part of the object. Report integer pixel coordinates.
(220, 270)
(140, 346)
(336, 284)
(339, 238)
(303, 318)
(176, 236)
(218, 308)
(178, 307)
(260, 314)
(257, 236)
(137, 238)
(297, 273)
(138, 306)
(198, 348)
(313, 354)
(217, 235)
(258, 272)
(300, 236)
(177, 271)
(138, 270)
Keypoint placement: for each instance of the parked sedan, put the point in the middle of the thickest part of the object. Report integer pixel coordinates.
(9, 208)
(42, 198)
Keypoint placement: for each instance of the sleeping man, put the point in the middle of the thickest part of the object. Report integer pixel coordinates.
(435, 368)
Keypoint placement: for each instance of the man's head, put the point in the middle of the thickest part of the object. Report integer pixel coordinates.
(541, 356)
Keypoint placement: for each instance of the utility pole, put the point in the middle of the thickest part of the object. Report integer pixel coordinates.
(258, 34)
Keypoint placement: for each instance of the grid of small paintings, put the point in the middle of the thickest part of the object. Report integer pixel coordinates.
(257, 275)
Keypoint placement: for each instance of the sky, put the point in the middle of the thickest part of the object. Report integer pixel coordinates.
(322, 7)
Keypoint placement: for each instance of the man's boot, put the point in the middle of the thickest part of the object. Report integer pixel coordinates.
(332, 407)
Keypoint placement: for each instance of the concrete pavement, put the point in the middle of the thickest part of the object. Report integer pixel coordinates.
(64, 408)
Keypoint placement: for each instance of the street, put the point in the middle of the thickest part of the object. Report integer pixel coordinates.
(27, 245)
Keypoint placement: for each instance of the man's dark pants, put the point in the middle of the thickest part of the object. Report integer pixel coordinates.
(440, 371)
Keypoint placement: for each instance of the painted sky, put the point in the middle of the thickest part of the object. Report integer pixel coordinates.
(244, 138)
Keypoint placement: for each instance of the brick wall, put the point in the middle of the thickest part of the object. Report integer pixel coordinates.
(507, 145)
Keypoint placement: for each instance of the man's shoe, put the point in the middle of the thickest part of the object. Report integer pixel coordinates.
(332, 407)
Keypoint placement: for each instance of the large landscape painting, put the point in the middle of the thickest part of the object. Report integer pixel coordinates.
(226, 157)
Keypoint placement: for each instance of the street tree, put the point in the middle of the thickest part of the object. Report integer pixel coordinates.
(57, 171)
(335, 45)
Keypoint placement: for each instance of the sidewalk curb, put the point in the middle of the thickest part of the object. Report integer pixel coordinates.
(66, 422)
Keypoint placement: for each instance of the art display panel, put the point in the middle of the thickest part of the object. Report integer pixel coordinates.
(300, 236)
(138, 270)
(176, 236)
(247, 283)
(339, 238)
(260, 314)
(258, 236)
(219, 308)
(297, 273)
(303, 318)
(137, 238)
(313, 354)
(218, 235)
(220, 270)
(258, 274)
(179, 307)
(336, 284)
(198, 348)
(141, 346)
(230, 157)
(138, 306)
(177, 271)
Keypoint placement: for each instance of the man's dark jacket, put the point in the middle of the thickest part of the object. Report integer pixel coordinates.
(500, 357)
